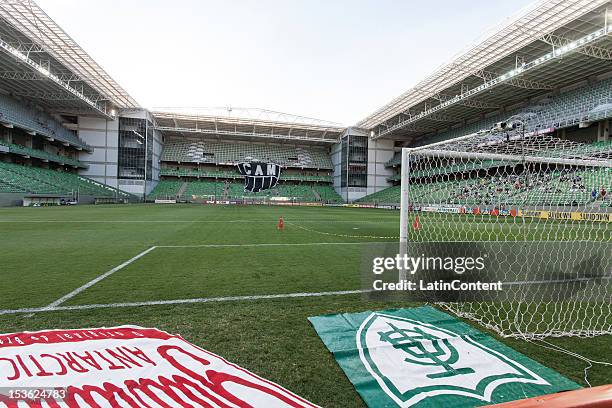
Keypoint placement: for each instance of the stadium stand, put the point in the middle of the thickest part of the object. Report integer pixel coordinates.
(548, 114)
(552, 188)
(565, 187)
(224, 190)
(581, 105)
(40, 154)
(166, 189)
(232, 153)
(208, 173)
(585, 104)
(36, 180)
(390, 195)
(327, 193)
(306, 177)
(33, 120)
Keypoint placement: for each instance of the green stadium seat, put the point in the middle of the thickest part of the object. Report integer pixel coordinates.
(36, 180)
(40, 154)
(32, 119)
(232, 153)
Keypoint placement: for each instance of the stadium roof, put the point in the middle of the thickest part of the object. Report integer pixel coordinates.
(552, 44)
(245, 123)
(39, 61)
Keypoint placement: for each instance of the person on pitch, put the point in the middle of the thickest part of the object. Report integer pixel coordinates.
(281, 224)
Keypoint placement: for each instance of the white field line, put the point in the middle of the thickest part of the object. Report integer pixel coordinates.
(547, 282)
(53, 305)
(97, 279)
(232, 221)
(232, 299)
(184, 301)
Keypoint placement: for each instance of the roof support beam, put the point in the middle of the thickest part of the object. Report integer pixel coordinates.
(470, 103)
(36, 76)
(24, 59)
(27, 48)
(591, 50)
(515, 81)
(32, 22)
(544, 17)
(419, 129)
(505, 79)
(478, 104)
(439, 117)
(236, 132)
(56, 96)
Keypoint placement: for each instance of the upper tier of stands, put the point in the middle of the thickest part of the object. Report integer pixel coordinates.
(34, 120)
(546, 145)
(232, 153)
(207, 173)
(585, 104)
(40, 154)
(189, 190)
(15, 178)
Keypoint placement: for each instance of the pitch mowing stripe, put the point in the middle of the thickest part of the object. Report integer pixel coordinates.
(271, 245)
(53, 305)
(185, 301)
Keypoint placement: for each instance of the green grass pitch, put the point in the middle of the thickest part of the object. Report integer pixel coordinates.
(214, 251)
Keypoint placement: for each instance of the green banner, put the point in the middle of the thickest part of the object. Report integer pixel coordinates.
(422, 357)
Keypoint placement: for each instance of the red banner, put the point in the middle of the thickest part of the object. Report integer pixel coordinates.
(126, 366)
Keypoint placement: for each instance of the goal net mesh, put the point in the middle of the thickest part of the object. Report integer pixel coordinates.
(539, 206)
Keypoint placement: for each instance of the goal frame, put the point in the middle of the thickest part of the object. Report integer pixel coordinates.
(523, 156)
(431, 151)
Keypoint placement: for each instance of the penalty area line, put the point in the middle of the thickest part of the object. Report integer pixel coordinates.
(185, 301)
(92, 282)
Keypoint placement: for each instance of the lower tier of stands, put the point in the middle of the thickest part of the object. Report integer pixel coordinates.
(222, 190)
(390, 195)
(15, 178)
(559, 187)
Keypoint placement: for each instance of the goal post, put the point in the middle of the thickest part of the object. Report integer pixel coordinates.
(404, 203)
(540, 210)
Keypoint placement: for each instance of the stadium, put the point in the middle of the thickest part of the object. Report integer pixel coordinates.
(114, 215)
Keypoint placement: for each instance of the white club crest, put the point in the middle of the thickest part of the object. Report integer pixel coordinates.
(412, 360)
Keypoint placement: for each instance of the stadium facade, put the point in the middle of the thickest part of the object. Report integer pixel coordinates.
(68, 129)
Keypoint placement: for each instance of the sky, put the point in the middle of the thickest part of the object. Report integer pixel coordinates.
(337, 60)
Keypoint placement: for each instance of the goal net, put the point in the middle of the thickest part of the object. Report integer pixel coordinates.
(536, 208)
